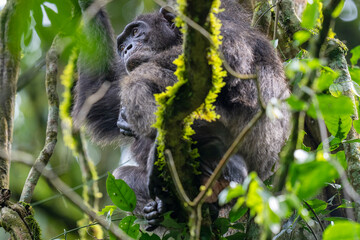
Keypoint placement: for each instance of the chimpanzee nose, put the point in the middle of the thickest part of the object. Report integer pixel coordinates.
(128, 48)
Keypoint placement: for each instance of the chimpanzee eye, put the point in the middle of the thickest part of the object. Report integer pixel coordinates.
(121, 47)
(135, 31)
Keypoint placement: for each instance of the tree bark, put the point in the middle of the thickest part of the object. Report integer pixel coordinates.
(9, 70)
(337, 61)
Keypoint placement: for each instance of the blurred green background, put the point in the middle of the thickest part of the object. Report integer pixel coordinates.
(53, 211)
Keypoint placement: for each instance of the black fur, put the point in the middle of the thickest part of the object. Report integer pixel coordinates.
(148, 69)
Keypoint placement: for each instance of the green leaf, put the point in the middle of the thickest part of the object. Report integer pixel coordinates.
(310, 14)
(341, 158)
(169, 222)
(334, 143)
(237, 214)
(275, 43)
(338, 126)
(295, 103)
(112, 236)
(330, 105)
(338, 9)
(325, 80)
(309, 178)
(355, 55)
(336, 89)
(222, 224)
(120, 193)
(356, 124)
(128, 226)
(342, 230)
(317, 205)
(346, 204)
(336, 219)
(236, 236)
(230, 193)
(355, 74)
(19, 25)
(108, 209)
(301, 36)
(146, 236)
(238, 226)
(176, 235)
(355, 88)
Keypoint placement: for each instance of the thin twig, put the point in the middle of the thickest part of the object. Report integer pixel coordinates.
(93, 9)
(316, 216)
(276, 18)
(312, 230)
(175, 176)
(52, 123)
(231, 151)
(260, 98)
(267, 10)
(78, 201)
(233, 148)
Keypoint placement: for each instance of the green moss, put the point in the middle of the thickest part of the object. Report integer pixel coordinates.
(31, 222)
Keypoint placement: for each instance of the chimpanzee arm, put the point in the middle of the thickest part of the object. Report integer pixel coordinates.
(98, 63)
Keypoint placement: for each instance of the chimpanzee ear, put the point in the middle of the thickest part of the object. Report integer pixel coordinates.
(167, 13)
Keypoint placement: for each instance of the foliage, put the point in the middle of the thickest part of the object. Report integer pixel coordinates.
(297, 206)
(120, 193)
(313, 169)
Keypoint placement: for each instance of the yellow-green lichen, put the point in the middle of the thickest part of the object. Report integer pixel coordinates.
(67, 80)
(207, 110)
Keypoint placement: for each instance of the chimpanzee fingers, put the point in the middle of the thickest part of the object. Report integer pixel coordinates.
(153, 213)
(123, 114)
(161, 206)
(151, 228)
(152, 216)
(150, 207)
(155, 222)
(123, 125)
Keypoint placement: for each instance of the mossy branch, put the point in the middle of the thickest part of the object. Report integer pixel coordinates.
(52, 123)
(9, 70)
(337, 61)
(200, 76)
(17, 219)
(69, 193)
(185, 96)
(287, 155)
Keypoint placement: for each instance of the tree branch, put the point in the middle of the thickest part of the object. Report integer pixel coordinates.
(9, 70)
(69, 193)
(315, 50)
(337, 61)
(52, 123)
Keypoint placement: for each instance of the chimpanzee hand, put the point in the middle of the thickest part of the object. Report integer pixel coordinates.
(123, 125)
(153, 213)
(154, 209)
